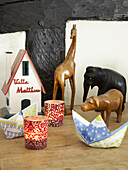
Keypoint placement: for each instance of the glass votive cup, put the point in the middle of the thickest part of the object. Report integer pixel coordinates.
(54, 110)
(35, 131)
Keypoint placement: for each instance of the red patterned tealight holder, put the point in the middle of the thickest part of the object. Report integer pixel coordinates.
(35, 131)
(54, 110)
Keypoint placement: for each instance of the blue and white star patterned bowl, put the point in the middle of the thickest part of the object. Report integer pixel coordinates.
(96, 133)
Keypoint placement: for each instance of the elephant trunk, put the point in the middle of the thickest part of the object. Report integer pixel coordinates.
(86, 88)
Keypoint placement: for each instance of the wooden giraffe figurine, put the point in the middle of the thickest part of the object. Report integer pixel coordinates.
(66, 70)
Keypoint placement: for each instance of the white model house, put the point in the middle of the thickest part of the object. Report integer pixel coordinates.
(23, 85)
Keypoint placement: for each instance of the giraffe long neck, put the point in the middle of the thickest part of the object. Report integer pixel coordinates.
(72, 49)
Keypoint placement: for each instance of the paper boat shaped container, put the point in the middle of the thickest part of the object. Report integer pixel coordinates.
(28, 111)
(96, 133)
(13, 127)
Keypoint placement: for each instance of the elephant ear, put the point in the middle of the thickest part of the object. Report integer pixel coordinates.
(102, 75)
(97, 101)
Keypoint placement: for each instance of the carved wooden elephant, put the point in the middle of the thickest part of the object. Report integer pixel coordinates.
(105, 79)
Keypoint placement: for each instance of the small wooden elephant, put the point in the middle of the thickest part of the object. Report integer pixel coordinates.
(110, 101)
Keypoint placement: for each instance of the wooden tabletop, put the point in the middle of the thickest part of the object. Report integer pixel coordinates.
(64, 150)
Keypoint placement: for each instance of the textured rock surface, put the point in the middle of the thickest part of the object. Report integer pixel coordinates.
(45, 21)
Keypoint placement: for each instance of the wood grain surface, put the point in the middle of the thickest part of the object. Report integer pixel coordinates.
(64, 149)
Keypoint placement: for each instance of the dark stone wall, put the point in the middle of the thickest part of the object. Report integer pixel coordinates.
(46, 48)
(44, 21)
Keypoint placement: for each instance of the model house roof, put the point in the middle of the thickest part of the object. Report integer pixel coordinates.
(14, 69)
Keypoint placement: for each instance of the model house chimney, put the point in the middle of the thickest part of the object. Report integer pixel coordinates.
(8, 65)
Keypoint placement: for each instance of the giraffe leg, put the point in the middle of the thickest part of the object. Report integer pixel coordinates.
(72, 83)
(62, 89)
(55, 90)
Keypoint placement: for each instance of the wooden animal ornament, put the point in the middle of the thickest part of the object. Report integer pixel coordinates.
(104, 79)
(110, 101)
(66, 70)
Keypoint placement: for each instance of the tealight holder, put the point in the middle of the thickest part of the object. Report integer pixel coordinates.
(54, 110)
(35, 131)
